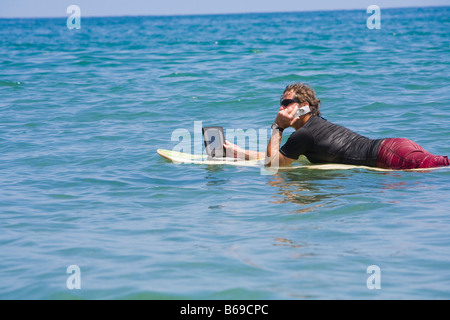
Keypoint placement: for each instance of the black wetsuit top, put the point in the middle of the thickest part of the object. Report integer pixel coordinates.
(324, 142)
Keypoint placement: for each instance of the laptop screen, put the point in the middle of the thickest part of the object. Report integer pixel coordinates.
(214, 140)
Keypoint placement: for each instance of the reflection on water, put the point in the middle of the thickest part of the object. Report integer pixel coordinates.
(289, 243)
(308, 188)
(303, 249)
(212, 176)
(314, 189)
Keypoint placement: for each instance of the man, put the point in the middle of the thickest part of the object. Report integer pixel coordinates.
(324, 142)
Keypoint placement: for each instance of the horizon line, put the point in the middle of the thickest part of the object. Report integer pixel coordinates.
(217, 14)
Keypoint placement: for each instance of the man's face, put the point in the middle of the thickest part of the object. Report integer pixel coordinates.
(289, 96)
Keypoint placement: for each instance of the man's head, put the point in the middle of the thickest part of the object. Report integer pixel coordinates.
(303, 93)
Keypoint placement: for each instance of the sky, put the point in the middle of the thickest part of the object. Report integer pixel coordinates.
(58, 8)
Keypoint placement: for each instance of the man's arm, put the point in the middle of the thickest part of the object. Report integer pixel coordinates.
(234, 151)
(273, 156)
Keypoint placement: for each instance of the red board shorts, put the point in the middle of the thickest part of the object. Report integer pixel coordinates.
(400, 154)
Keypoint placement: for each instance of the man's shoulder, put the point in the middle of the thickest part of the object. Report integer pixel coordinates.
(312, 123)
(301, 133)
(317, 119)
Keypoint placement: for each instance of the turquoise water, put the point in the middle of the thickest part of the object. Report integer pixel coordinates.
(84, 111)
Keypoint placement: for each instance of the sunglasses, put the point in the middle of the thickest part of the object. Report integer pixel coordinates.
(286, 102)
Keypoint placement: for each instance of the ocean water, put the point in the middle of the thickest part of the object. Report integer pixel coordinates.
(82, 113)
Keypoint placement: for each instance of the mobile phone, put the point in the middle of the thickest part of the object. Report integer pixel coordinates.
(302, 111)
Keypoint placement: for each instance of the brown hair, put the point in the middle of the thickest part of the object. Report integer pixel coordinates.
(304, 92)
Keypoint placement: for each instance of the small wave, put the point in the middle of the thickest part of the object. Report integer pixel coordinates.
(180, 74)
(10, 83)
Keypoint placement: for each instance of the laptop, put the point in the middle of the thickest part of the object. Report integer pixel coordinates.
(214, 140)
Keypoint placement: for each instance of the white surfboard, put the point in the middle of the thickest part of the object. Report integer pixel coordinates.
(181, 157)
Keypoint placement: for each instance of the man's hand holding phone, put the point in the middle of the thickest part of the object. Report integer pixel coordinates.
(286, 116)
